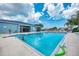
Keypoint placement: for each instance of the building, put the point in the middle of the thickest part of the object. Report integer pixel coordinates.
(9, 26)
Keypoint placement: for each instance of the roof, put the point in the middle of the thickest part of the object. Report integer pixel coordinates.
(13, 22)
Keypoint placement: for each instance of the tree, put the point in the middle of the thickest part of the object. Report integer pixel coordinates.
(77, 19)
(52, 29)
(70, 23)
(38, 27)
(55, 28)
(73, 21)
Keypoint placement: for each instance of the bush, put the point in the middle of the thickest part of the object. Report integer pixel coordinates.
(75, 30)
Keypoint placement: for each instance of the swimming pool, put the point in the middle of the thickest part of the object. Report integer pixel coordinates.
(45, 42)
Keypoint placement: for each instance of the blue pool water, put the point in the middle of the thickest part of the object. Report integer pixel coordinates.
(45, 43)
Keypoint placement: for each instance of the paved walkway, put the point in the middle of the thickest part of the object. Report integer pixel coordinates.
(13, 47)
(72, 44)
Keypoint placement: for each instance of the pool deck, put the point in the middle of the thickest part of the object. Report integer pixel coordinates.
(12, 46)
(72, 44)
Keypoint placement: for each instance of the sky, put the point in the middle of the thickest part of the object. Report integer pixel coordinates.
(49, 14)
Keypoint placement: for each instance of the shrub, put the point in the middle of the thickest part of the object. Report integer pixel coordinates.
(75, 30)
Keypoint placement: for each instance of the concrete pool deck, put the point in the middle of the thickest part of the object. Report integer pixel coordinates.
(12, 46)
(72, 44)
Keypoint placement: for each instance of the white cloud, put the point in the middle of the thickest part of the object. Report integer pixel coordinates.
(15, 18)
(51, 10)
(71, 10)
(45, 6)
(68, 13)
(19, 12)
(25, 12)
(54, 11)
(14, 9)
(37, 15)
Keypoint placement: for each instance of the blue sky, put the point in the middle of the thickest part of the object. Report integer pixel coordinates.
(49, 14)
(45, 18)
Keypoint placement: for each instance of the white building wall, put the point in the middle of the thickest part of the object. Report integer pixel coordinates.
(5, 28)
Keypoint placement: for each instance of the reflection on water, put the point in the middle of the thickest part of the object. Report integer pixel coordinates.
(43, 42)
